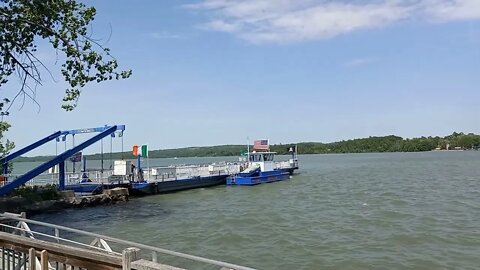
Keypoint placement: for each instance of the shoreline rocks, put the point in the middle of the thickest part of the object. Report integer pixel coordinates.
(67, 200)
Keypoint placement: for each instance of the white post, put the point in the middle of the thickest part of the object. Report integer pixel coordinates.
(57, 235)
(248, 150)
(154, 257)
(148, 166)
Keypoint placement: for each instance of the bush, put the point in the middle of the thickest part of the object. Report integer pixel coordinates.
(36, 193)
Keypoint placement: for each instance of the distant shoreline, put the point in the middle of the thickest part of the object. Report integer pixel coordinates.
(386, 144)
(30, 159)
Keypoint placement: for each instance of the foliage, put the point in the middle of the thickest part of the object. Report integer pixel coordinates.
(366, 145)
(36, 193)
(5, 147)
(392, 144)
(63, 23)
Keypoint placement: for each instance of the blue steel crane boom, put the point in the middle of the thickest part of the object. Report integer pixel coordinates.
(26, 149)
(55, 135)
(120, 128)
(59, 159)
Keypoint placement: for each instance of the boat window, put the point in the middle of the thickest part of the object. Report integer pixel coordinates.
(268, 157)
(255, 158)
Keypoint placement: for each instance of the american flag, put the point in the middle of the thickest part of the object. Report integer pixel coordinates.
(261, 145)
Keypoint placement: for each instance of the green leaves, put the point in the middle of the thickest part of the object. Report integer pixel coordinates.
(64, 23)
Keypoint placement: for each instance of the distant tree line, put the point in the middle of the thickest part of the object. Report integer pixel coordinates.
(394, 144)
(365, 145)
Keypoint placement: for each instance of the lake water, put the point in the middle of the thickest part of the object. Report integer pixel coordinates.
(353, 211)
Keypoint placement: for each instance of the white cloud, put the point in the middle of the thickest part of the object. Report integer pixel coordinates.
(453, 10)
(222, 26)
(281, 21)
(325, 21)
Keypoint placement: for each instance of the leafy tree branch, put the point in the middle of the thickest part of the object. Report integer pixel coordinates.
(65, 25)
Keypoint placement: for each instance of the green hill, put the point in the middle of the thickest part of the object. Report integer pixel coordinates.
(389, 143)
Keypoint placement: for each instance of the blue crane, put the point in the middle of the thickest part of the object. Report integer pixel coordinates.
(57, 160)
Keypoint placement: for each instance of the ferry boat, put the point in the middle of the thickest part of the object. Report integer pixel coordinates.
(173, 185)
(260, 169)
(179, 177)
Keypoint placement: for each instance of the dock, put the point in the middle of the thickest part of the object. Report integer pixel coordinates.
(47, 247)
(124, 173)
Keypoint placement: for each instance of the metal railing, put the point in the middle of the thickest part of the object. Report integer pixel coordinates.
(286, 164)
(95, 176)
(163, 173)
(101, 243)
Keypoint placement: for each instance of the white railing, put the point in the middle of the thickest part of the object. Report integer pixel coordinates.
(102, 243)
(95, 176)
(176, 172)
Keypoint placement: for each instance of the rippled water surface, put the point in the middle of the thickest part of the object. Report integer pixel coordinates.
(361, 211)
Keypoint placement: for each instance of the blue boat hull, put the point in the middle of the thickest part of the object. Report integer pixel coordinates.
(289, 170)
(142, 188)
(197, 182)
(258, 178)
(150, 188)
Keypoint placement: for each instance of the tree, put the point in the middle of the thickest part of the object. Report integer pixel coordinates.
(7, 146)
(64, 24)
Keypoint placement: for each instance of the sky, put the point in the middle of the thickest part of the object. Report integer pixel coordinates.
(211, 72)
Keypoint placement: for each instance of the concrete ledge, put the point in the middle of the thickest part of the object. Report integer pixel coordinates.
(148, 265)
(116, 191)
(65, 194)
